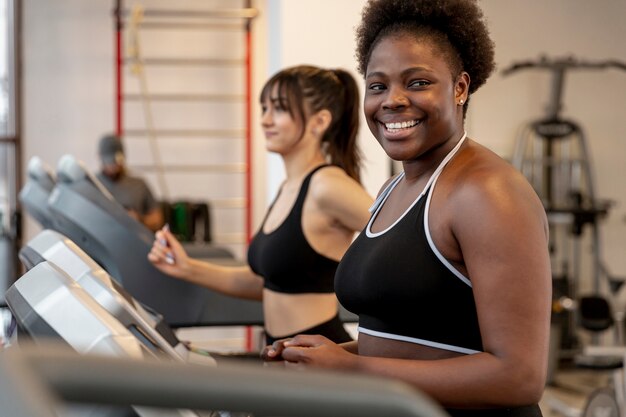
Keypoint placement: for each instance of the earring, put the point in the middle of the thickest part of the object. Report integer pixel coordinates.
(460, 102)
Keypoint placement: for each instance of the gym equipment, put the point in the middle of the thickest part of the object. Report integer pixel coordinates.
(41, 302)
(52, 247)
(552, 153)
(53, 375)
(35, 193)
(231, 93)
(189, 221)
(101, 227)
(597, 315)
(44, 298)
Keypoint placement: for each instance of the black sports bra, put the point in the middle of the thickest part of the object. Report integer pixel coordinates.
(284, 257)
(401, 286)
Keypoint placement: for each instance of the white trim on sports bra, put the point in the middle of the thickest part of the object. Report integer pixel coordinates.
(415, 340)
(382, 198)
(431, 243)
(430, 185)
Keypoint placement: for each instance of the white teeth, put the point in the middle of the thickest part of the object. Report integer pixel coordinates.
(401, 125)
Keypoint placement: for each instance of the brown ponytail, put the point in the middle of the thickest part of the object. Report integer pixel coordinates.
(341, 136)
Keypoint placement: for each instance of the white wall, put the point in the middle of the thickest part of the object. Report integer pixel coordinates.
(68, 81)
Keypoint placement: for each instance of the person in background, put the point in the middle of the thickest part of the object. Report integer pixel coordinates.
(133, 193)
(451, 277)
(310, 117)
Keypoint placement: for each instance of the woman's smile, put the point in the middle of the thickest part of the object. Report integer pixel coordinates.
(399, 129)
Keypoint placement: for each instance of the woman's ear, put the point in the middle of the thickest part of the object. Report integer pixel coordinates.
(319, 122)
(461, 88)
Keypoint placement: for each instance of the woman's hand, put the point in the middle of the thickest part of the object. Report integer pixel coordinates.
(310, 350)
(168, 255)
(273, 352)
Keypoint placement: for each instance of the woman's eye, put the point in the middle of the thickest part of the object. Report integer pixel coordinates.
(376, 87)
(418, 83)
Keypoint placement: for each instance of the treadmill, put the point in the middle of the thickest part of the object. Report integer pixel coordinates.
(86, 213)
(50, 246)
(35, 193)
(48, 305)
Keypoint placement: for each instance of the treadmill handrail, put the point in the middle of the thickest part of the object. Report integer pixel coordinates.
(41, 172)
(232, 387)
(70, 169)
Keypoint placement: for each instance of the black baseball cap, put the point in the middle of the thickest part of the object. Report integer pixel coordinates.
(111, 150)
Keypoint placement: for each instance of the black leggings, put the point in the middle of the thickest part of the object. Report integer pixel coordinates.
(332, 329)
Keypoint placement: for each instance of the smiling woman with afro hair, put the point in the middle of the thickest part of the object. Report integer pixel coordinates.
(451, 276)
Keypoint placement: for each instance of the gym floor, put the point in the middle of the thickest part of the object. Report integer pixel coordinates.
(569, 391)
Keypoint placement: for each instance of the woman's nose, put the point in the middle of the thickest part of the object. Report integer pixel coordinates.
(266, 118)
(395, 98)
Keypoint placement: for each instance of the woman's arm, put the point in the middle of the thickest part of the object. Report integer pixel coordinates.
(168, 255)
(352, 347)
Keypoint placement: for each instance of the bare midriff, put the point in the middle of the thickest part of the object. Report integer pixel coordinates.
(287, 314)
(389, 348)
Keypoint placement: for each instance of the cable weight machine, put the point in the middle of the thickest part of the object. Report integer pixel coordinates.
(552, 153)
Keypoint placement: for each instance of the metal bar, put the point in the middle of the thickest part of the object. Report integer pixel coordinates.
(229, 386)
(212, 133)
(19, 385)
(247, 13)
(187, 61)
(232, 238)
(248, 118)
(551, 161)
(229, 168)
(119, 130)
(619, 381)
(14, 11)
(13, 56)
(191, 26)
(187, 97)
(556, 93)
(248, 151)
(228, 203)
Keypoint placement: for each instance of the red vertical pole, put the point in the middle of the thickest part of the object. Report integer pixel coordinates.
(248, 112)
(118, 68)
(248, 115)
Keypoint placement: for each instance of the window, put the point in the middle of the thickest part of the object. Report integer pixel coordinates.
(9, 144)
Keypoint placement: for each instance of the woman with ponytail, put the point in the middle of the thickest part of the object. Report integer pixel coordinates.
(310, 117)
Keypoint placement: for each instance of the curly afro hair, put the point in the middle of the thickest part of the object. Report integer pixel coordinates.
(457, 26)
